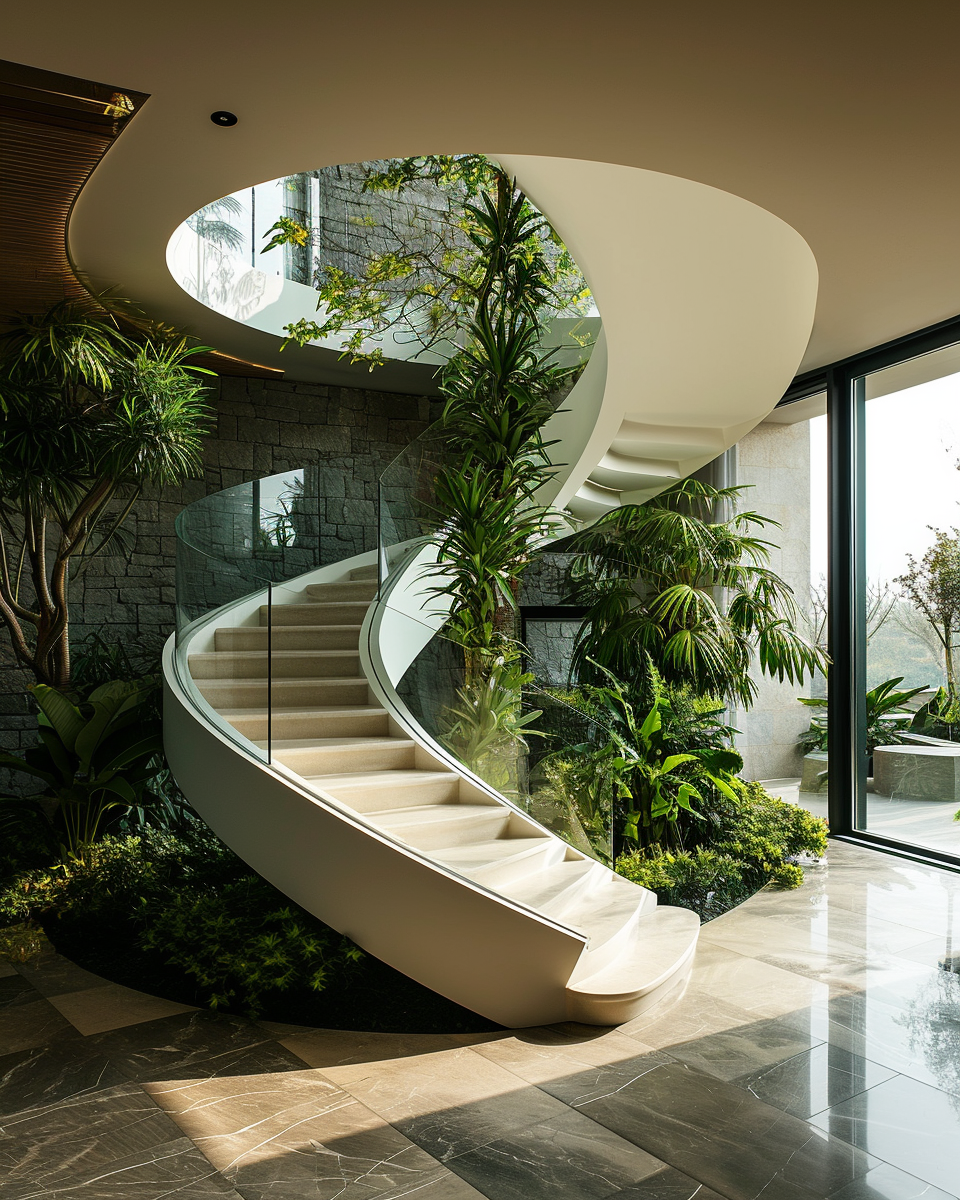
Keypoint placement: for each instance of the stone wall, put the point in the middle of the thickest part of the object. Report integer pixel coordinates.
(262, 427)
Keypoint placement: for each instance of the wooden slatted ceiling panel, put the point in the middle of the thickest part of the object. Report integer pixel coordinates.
(53, 132)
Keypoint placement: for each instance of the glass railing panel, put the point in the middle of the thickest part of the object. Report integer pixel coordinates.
(521, 740)
(222, 657)
(237, 654)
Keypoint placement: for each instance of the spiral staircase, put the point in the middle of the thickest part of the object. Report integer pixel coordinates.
(284, 725)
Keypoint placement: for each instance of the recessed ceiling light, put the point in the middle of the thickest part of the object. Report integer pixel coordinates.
(222, 117)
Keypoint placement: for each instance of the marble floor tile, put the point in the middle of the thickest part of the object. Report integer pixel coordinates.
(34, 1022)
(448, 1102)
(567, 1158)
(696, 1015)
(194, 1044)
(300, 1136)
(7, 968)
(112, 1143)
(752, 1047)
(758, 988)
(344, 1047)
(95, 1010)
(52, 974)
(911, 1125)
(919, 1038)
(544, 1053)
(14, 990)
(753, 932)
(889, 1183)
(668, 1184)
(812, 1081)
(715, 1132)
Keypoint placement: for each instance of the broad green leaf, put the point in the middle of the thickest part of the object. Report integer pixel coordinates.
(63, 716)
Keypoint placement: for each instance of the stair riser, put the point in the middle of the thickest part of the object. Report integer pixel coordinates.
(313, 614)
(393, 798)
(438, 834)
(499, 875)
(288, 637)
(285, 665)
(315, 760)
(332, 592)
(286, 725)
(253, 693)
(367, 573)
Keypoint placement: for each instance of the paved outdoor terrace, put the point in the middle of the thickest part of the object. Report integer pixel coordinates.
(928, 824)
(815, 1053)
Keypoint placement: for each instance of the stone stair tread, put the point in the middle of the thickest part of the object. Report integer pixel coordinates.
(344, 780)
(326, 743)
(604, 914)
(477, 855)
(427, 814)
(544, 888)
(661, 940)
(256, 655)
(263, 629)
(303, 710)
(288, 680)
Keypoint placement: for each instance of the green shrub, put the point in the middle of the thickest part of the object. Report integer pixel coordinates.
(190, 902)
(740, 848)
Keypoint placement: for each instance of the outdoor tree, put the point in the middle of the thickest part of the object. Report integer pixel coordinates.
(89, 417)
(932, 584)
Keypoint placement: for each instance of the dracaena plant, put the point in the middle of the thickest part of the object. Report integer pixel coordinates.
(89, 416)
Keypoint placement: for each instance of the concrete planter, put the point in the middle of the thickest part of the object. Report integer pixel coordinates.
(814, 764)
(917, 772)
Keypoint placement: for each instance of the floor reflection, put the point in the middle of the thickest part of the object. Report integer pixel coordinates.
(814, 1054)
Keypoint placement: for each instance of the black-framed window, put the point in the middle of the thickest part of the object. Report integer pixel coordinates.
(894, 442)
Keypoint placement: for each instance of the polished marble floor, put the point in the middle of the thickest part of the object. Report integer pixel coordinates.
(814, 1054)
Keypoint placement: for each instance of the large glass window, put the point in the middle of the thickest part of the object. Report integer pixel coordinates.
(910, 602)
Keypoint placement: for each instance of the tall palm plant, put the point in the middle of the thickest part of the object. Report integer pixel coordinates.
(680, 580)
(499, 391)
(89, 417)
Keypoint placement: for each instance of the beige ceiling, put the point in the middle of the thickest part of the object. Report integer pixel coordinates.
(839, 118)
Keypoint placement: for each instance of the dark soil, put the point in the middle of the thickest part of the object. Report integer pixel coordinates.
(376, 999)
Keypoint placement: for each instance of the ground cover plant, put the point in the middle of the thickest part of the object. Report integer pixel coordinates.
(744, 844)
(181, 916)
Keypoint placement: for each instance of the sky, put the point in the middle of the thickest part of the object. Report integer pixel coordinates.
(912, 481)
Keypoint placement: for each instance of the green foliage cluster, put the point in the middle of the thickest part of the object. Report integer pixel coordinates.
(653, 757)
(425, 263)
(89, 416)
(93, 759)
(933, 586)
(742, 845)
(192, 904)
(887, 718)
(652, 576)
